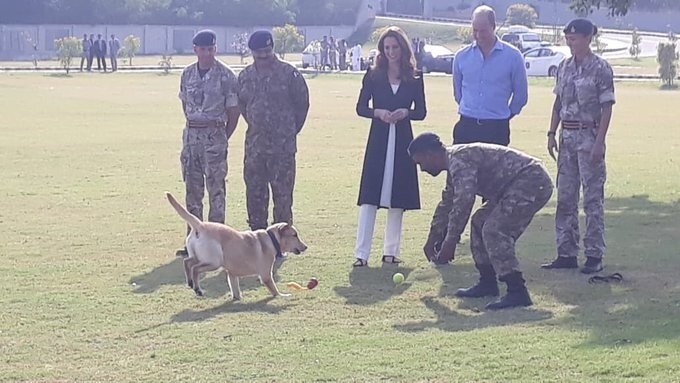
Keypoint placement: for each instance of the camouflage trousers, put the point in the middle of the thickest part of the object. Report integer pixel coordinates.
(496, 225)
(204, 166)
(262, 171)
(574, 168)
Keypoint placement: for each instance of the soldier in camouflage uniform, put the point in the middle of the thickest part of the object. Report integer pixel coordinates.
(515, 186)
(584, 92)
(274, 100)
(208, 92)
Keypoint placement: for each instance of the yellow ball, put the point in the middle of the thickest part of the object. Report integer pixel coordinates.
(398, 278)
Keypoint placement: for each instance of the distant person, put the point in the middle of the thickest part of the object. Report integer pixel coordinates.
(342, 54)
(333, 53)
(114, 47)
(489, 84)
(100, 51)
(85, 56)
(392, 95)
(208, 90)
(356, 57)
(93, 53)
(325, 48)
(584, 92)
(274, 100)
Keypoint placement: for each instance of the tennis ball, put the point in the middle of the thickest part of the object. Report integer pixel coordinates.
(398, 278)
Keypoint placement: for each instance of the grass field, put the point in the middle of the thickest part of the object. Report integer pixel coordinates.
(92, 291)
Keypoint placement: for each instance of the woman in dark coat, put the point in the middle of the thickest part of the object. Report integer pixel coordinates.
(389, 178)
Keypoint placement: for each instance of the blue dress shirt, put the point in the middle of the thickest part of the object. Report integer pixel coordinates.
(483, 87)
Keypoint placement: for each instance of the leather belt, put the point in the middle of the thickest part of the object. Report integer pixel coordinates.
(205, 124)
(578, 125)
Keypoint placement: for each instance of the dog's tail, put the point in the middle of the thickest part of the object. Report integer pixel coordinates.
(191, 219)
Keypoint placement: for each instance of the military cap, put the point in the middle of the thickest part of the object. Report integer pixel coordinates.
(260, 40)
(425, 142)
(205, 38)
(581, 26)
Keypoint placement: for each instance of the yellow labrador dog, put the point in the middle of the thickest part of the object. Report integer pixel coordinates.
(214, 245)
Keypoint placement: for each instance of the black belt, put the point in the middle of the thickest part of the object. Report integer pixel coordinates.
(480, 121)
(568, 124)
(205, 124)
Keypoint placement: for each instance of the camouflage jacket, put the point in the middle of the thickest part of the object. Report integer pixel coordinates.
(583, 89)
(207, 98)
(475, 169)
(274, 105)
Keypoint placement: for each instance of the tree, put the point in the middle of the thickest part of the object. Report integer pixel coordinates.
(67, 49)
(131, 46)
(240, 45)
(635, 49)
(521, 14)
(667, 58)
(616, 7)
(287, 39)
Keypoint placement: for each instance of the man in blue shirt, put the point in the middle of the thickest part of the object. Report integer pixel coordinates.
(489, 84)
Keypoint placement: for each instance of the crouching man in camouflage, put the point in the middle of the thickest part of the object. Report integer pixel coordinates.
(208, 90)
(515, 187)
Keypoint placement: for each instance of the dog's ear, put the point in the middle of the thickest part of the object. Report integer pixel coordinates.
(285, 227)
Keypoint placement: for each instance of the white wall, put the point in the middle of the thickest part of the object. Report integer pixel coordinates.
(155, 39)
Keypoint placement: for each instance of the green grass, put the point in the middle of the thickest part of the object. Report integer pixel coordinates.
(645, 65)
(92, 292)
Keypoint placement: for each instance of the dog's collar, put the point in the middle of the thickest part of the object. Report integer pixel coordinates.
(275, 241)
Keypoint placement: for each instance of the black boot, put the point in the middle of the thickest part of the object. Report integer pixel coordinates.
(486, 287)
(592, 265)
(517, 295)
(561, 263)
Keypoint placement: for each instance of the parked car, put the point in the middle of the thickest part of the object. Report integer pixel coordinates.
(437, 58)
(523, 41)
(544, 61)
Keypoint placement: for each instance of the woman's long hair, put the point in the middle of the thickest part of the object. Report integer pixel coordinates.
(407, 64)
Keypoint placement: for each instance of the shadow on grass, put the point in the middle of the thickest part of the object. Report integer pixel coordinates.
(261, 306)
(643, 238)
(471, 316)
(59, 75)
(370, 285)
(172, 273)
(643, 244)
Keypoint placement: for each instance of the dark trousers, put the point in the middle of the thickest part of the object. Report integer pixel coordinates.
(468, 130)
(101, 61)
(90, 58)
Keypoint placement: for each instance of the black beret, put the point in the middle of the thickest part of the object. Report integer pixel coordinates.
(425, 142)
(582, 26)
(205, 38)
(260, 40)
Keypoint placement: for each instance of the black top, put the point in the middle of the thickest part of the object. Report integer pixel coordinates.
(410, 95)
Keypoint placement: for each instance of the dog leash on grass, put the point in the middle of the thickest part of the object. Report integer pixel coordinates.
(616, 277)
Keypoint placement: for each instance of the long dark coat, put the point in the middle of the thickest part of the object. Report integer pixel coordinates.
(411, 95)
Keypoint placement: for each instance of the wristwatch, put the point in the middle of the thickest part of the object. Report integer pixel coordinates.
(550, 133)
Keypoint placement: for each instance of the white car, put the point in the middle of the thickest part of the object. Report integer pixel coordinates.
(544, 61)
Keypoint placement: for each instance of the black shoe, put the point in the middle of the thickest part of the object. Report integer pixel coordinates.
(182, 252)
(561, 263)
(592, 265)
(517, 295)
(486, 287)
(510, 300)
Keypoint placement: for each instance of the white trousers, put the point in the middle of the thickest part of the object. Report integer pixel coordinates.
(367, 213)
(392, 240)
